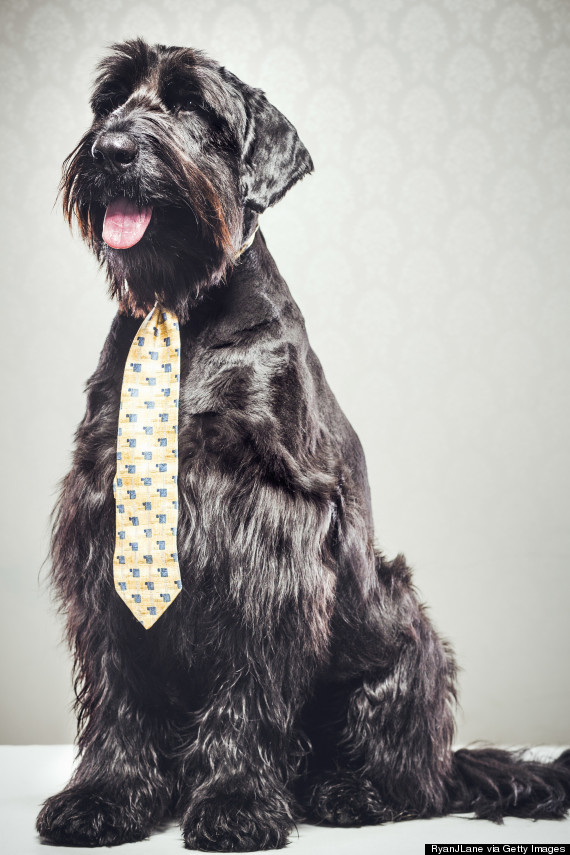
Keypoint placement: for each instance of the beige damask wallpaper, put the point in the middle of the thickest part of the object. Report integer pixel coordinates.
(430, 253)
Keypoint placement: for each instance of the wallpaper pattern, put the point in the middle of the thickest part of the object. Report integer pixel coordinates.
(430, 253)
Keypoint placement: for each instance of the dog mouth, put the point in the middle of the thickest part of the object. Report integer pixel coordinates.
(125, 223)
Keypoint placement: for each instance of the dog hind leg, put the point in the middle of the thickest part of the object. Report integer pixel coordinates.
(384, 752)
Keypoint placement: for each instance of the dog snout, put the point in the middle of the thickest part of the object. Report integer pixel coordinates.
(114, 150)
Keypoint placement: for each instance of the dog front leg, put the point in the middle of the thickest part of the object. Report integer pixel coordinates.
(120, 789)
(243, 757)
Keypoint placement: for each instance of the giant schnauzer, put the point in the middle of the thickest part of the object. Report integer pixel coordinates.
(297, 675)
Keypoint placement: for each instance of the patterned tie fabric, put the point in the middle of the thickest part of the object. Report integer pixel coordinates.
(145, 566)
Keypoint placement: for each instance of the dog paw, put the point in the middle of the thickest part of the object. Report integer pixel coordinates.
(346, 799)
(77, 817)
(237, 822)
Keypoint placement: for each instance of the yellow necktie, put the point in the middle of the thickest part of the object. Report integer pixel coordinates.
(145, 566)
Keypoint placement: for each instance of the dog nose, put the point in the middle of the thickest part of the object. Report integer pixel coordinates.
(114, 150)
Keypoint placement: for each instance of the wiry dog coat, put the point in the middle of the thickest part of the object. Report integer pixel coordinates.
(296, 674)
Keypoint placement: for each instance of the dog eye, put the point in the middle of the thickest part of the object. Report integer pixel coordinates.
(105, 102)
(178, 97)
(187, 105)
(193, 105)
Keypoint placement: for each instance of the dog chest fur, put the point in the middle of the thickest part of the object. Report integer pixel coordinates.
(260, 462)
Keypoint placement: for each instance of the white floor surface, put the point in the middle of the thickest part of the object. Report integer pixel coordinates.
(31, 773)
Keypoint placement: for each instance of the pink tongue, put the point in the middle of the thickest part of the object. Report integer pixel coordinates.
(125, 223)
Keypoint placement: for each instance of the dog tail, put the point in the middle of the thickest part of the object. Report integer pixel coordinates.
(494, 783)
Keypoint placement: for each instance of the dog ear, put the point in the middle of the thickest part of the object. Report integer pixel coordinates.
(273, 156)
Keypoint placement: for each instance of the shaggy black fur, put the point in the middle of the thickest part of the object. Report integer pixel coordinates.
(296, 674)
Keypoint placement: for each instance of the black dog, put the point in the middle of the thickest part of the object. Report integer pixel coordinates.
(296, 675)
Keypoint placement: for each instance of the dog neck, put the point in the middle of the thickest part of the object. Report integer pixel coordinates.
(129, 306)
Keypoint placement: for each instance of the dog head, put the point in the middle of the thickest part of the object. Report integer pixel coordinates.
(167, 183)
